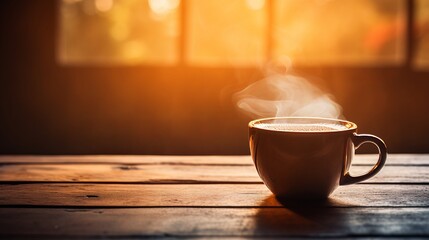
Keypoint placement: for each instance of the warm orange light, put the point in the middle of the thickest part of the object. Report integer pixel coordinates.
(103, 5)
(255, 4)
(71, 1)
(163, 7)
(234, 32)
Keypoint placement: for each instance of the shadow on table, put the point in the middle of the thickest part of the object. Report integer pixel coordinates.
(302, 218)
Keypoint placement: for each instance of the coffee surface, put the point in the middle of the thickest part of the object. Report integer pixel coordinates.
(301, 127)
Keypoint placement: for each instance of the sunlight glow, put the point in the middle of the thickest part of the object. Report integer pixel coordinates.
(163, 7)
(71, 1)
(421, 34)
(255, 4)
(118, 32)
(238, 32)
(103, 5)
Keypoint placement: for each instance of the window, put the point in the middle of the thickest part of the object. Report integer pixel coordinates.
(240, 32)
(421, 32)
(226, 32)
(338, 31)
(125, 32)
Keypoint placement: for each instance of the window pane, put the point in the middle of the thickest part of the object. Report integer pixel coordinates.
(422, 34)
(339, 31)
(226, 32)
(126, 31)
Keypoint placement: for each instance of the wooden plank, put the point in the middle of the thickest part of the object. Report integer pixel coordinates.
(126, 173)
(108, 173)
(215, 222)
(215, 195)
(393, 159)
(130, 159)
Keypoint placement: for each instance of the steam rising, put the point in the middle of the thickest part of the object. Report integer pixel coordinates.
(286, 95)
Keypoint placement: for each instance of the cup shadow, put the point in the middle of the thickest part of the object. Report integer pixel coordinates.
(301, 218)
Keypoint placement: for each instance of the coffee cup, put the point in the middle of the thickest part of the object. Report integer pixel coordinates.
(308, 158)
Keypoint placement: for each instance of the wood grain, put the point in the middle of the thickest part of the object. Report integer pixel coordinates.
(170, 222)
(196, 195)
(108, 173)
(219, 196)
(363, 159)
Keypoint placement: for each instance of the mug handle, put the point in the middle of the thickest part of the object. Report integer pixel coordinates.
(358, 140)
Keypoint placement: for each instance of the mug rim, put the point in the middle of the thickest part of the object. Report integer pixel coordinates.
(350, 126)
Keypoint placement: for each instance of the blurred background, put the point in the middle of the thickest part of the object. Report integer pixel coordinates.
(159, 76)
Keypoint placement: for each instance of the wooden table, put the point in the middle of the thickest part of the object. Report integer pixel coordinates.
(200, 196)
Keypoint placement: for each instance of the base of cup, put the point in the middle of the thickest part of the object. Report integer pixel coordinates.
(302, 200)
(302, 197)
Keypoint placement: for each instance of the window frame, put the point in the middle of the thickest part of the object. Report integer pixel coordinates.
(407, 63)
